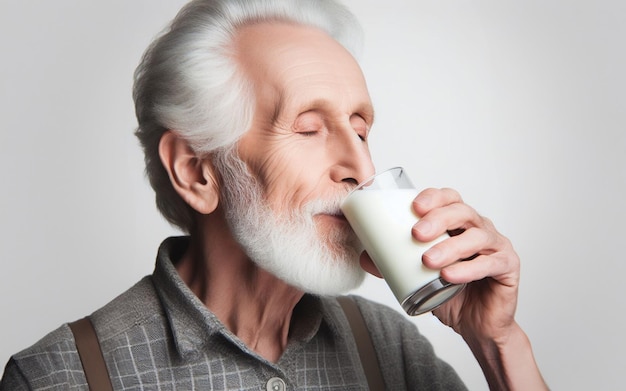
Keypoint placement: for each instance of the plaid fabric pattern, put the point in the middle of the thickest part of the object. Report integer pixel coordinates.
(159, 336)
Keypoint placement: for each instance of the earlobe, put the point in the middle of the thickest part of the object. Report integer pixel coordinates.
(192, 177)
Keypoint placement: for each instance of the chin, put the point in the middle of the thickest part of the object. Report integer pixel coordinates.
(335, 274)
(339, 285)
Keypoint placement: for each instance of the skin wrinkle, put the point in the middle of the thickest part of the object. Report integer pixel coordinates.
(280, 139)
(307, 145)
(273, 187)
(286, 235)
(281, 150)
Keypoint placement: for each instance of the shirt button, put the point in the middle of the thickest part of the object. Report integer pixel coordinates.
(276, 384)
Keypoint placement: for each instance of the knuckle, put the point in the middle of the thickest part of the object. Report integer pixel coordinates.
(452, 194)
(430, 191)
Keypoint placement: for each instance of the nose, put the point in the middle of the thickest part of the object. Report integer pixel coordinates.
(353, 162)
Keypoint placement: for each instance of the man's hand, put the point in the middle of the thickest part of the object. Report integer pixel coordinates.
(484, 312)
(485, 309)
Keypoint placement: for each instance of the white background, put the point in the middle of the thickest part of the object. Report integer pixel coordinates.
(518, 105)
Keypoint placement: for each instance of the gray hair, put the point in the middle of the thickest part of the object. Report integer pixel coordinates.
(188, 80)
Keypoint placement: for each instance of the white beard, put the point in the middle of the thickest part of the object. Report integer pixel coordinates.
(288, 246)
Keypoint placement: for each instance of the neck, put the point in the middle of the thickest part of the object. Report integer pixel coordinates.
(252, 303)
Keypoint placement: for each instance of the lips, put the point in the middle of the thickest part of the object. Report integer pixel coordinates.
(327, 208)
(334, 216)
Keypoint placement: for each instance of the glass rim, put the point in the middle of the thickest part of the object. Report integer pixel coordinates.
(370, 179)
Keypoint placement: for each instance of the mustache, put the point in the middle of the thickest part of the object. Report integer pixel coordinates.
(329, 206)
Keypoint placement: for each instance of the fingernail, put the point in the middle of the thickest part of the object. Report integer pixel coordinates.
(433, 254)
(423, 227)
(423, 201)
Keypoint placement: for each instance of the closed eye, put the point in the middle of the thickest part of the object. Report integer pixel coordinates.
(308, 124)
(360, 126)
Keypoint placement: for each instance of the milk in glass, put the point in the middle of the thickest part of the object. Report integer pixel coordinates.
(380, 212)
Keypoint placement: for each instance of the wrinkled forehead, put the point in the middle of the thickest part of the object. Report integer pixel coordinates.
(298, 64)
(275, 50)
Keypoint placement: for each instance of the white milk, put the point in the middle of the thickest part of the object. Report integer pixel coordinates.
(383, 220)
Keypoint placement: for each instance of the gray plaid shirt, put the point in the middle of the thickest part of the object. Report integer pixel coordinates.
(159, 336)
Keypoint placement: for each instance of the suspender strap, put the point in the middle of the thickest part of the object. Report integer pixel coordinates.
(91, 355)
(364, 344)
(98, 377)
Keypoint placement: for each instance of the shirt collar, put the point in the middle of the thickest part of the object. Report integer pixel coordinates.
(194, 326)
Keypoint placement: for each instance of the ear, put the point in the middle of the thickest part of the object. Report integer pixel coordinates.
(193, 178)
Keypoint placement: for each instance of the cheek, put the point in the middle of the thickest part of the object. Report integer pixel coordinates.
(289, 174)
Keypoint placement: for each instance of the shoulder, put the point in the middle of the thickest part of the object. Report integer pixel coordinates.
(392, 331)
(406, 357)
(383, 320)
(54, 361)
(380, 319)
(135, 307)
(389, 330)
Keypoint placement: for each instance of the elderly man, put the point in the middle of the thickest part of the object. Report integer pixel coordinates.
(254, 117)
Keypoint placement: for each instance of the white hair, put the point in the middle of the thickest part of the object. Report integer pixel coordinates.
(188, 80)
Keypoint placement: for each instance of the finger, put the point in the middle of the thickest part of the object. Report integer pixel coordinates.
(471, 242)
(502, 267)
(429, 199)
(368, 265)
(440, 220)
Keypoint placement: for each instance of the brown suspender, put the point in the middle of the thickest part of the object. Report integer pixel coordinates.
(364, 344)
(98, 378)
(91, 355)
